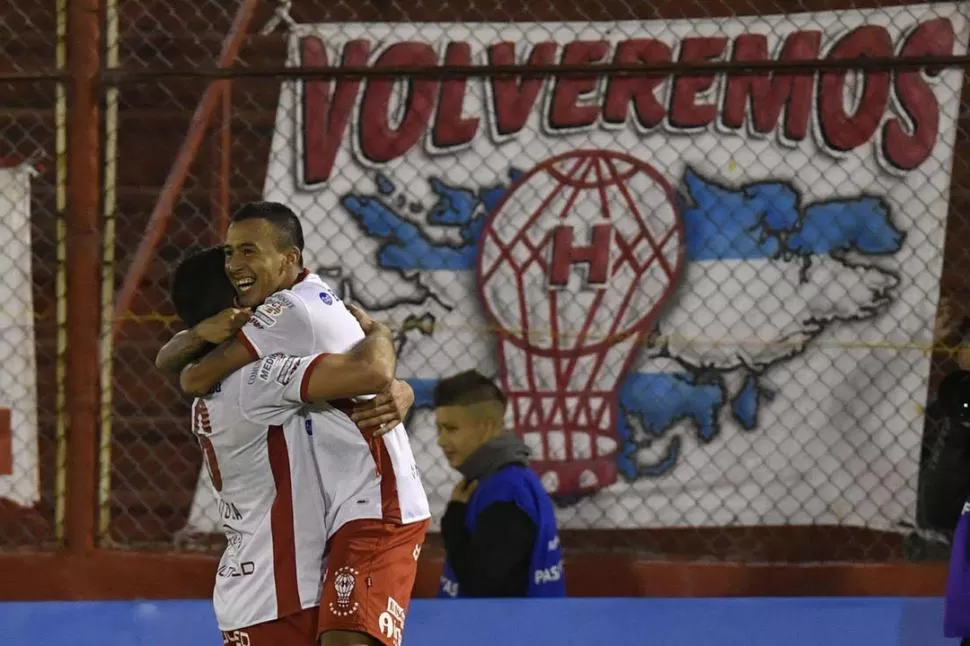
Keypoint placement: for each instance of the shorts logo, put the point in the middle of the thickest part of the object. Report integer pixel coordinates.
(344, 581)
(235, 638)
(391, 621)
(417, 551)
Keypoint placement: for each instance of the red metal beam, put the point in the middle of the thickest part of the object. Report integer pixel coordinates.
(222, 167)
(180, 169)
(83, 270)
(6, 442)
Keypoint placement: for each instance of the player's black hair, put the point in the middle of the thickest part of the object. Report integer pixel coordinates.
(200, 287)
(469, 387)
(284, 220)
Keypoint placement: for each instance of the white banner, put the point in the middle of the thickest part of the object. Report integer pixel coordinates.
(19, 471)
(706, 296)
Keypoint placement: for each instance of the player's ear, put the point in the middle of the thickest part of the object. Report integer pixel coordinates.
(293, 256)
(492, 427)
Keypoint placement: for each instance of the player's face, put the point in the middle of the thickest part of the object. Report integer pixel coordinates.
(255, 264)
(460, 432)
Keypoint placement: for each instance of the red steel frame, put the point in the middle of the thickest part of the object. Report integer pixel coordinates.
(198, 126)
(83, 260)
(84, 571)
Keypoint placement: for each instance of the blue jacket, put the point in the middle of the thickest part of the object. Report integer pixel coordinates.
(956, 619)
(518, 485)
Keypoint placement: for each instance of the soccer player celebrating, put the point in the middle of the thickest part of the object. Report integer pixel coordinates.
(378, 510)
(251, 428)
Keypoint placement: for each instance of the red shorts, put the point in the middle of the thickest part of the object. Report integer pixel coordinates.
(299, 629)
(370, 573)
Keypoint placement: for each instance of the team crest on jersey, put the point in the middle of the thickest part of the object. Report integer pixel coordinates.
(344, 582)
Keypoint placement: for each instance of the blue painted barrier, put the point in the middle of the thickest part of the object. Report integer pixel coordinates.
(834, 621)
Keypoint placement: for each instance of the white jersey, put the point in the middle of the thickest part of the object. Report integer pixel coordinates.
(362, 476)
(271, 508)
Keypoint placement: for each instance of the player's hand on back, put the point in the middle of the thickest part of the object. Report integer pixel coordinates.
(385, 411)
(223, 325)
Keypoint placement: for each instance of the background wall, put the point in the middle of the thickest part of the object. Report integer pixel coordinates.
(140, 156)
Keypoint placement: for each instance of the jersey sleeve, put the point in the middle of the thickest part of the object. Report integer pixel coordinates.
(337, 331)
(274, 388)
(336, 328)
(281, 325)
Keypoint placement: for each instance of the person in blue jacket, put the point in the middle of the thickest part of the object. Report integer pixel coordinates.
(499, 529)
(952, 467)
(956, 621)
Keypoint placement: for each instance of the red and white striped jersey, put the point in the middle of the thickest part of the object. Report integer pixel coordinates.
(363, 477)
(258, 454)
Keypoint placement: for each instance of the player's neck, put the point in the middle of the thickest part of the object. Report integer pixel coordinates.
(295, 277)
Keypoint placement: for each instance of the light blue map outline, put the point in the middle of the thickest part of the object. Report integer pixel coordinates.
(764, 219)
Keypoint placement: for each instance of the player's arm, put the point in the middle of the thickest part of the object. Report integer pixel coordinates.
(188, 344)
(199, 377)
(277, 385)
(366, 369)
(281, 325)
(179, 350)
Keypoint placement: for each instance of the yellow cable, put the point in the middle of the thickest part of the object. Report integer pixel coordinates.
(60, 283)
(108, 274)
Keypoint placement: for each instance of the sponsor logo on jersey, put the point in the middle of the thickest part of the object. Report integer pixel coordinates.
(272, 308)
(275, 305)
(288, 370)
(260, 320)
(228, 570)
(266, 366)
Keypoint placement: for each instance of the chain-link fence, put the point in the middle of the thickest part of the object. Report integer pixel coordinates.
(31, 284)
(745, 379)
(711, 293)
